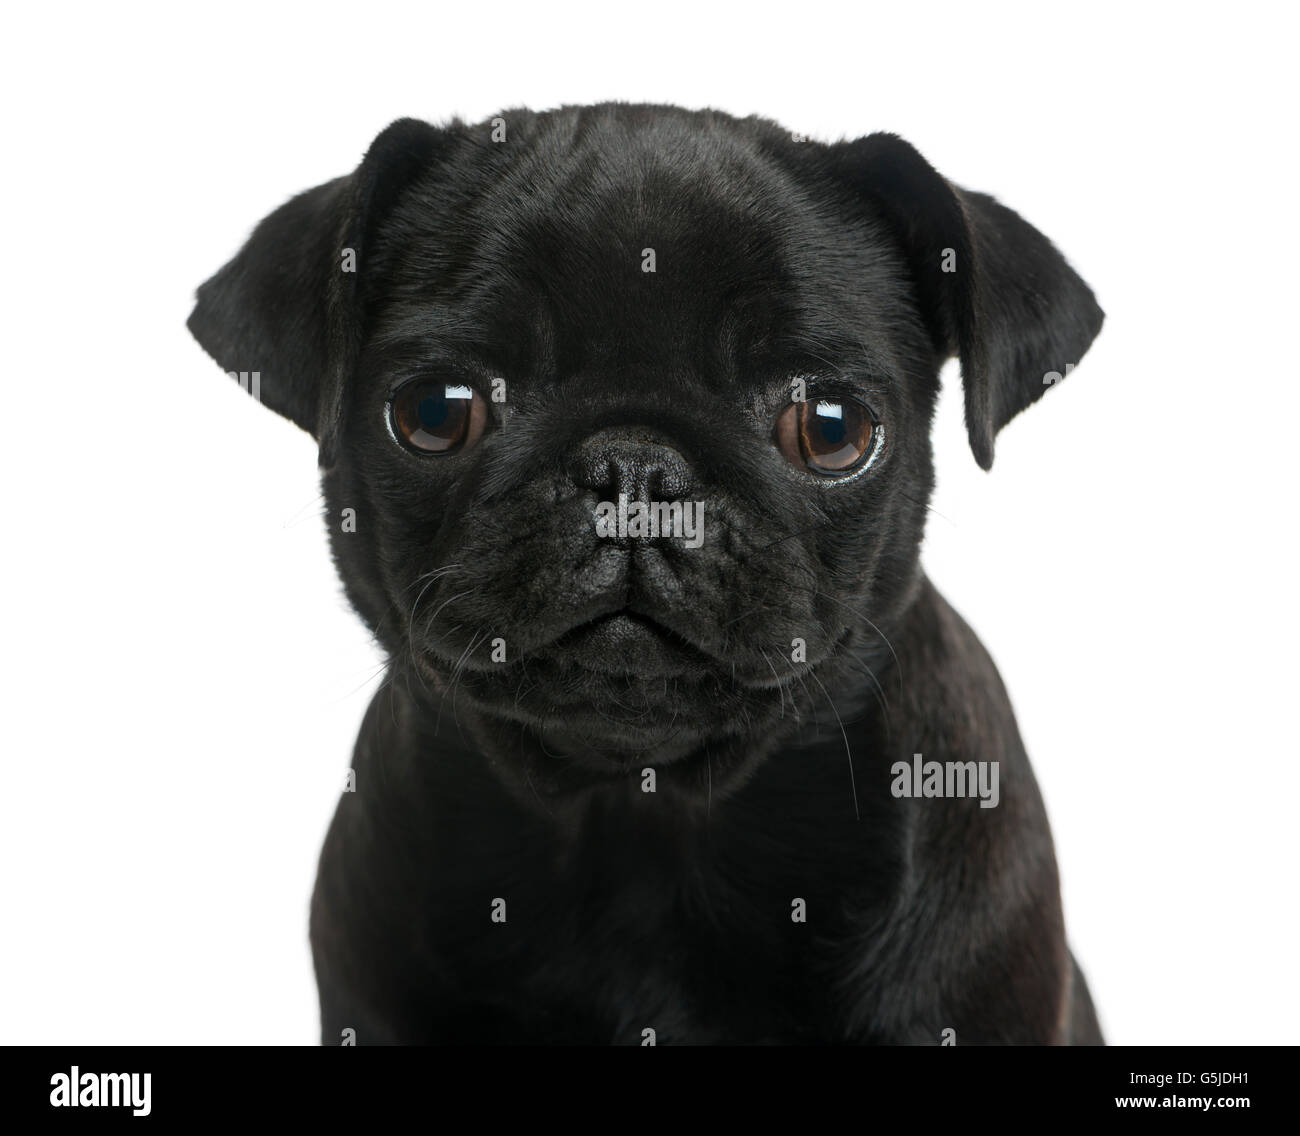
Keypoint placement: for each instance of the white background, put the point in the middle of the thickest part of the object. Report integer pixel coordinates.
(183, 681)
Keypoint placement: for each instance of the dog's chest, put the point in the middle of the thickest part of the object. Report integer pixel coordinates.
(629, 939)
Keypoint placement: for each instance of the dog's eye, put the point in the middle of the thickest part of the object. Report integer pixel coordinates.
(830, 436)
(436, 416)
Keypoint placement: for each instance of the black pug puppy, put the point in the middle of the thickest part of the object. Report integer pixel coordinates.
(623, 416)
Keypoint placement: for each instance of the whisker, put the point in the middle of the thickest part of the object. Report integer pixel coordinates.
(848, 750)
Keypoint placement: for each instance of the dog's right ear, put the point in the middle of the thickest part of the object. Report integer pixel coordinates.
(288, 307)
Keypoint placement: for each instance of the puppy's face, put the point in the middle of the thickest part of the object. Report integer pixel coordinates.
(551, 324)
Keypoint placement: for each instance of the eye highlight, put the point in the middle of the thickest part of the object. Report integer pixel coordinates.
(831, 436)
(437, 416)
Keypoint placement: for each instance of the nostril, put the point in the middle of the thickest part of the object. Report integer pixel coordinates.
(594, 469)
(672, 478)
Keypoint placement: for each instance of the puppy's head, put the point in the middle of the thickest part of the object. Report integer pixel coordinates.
(623, 411)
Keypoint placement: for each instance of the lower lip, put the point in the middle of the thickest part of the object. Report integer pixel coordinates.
(622, 631)
(626, 644)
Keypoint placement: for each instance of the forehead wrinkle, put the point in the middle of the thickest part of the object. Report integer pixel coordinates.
(539, 256)
(626, 184)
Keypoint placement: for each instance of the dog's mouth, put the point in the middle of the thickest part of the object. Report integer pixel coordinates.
(626, 642)
(621, 686)
(612, 682)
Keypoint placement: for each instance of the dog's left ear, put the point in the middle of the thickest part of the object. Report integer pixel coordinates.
(993, 290)
(289, 305)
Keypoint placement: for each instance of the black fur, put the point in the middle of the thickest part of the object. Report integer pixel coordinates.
(523, 780)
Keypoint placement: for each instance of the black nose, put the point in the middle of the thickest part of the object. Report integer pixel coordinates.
(615, 461)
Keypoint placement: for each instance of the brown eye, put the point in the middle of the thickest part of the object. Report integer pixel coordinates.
(830, 436)
(436, 416)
